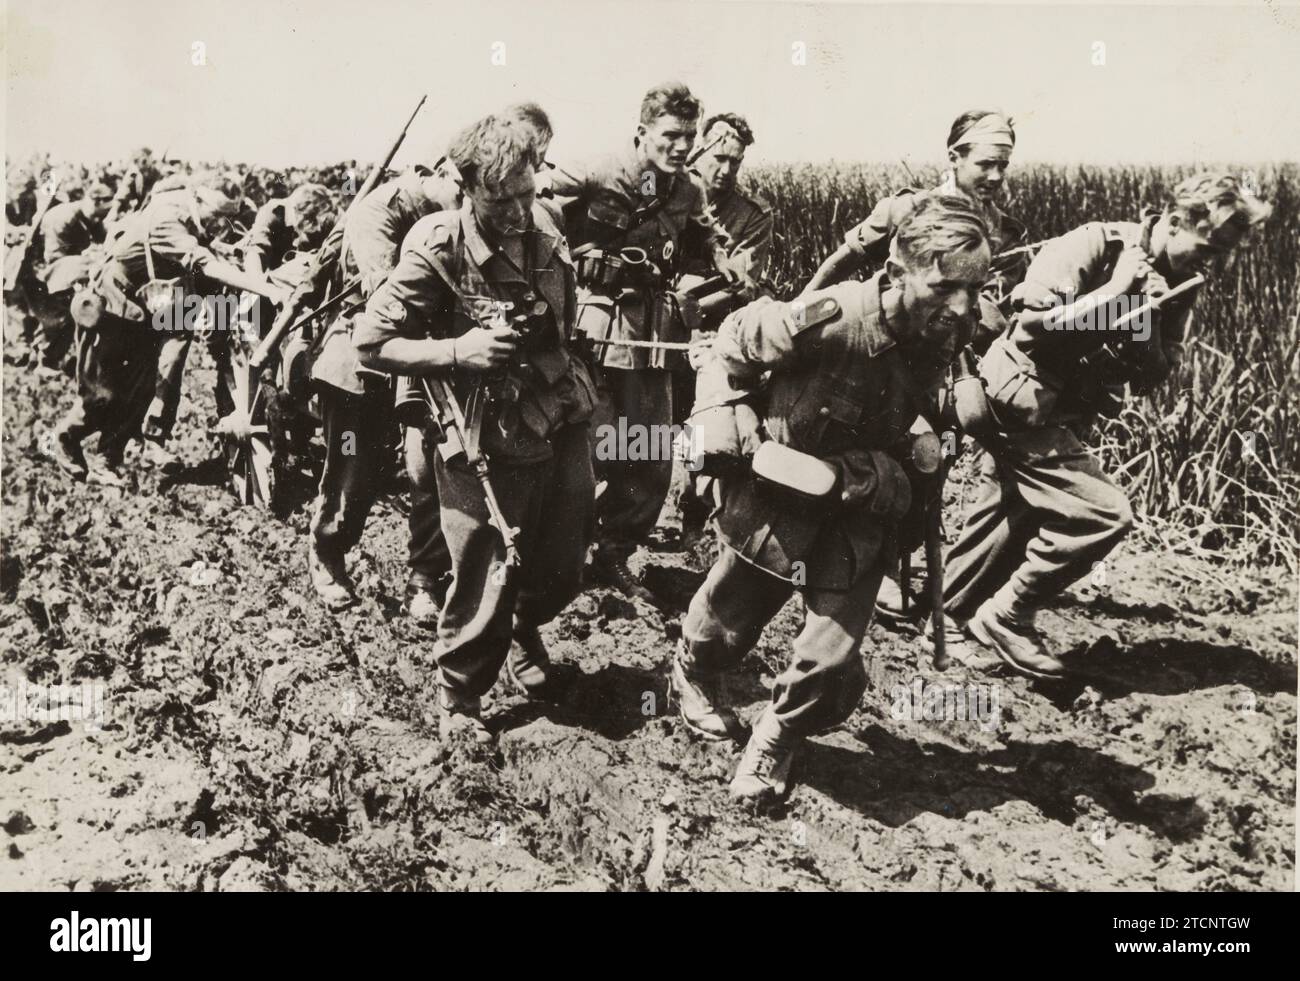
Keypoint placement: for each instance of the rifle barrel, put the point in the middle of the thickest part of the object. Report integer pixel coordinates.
(1155, 302)
(277, 334)
(372, 178)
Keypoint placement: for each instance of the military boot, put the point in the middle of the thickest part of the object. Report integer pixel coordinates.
(154, 453)
(1013, 639)
(889, 605)
(699, 696)
(764, 770)
(961, 647)
(64, 449)
(461, 717)
(329, 576)
(421, 605)
(609, 568)
(528, 662)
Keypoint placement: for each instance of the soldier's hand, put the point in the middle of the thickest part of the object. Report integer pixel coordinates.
(701, 344)
(1154, 285)
(1132, 266)
(482, 349)
(733, 268)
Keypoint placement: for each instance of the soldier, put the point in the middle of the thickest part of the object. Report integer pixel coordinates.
(427, 558)
(20, 204)
(746, 221)
(747, 224)
(1046, 511)
(285, 226)
(851, 368)
(118, 343)
(980, 145)
(635, 205)
(356, 402)
(528, 402)
(68, 231)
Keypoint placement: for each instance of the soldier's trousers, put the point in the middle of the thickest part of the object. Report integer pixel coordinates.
(635, 490)
(117, 367)
(694, 509)
(173, 351)
(825, 678)
(551, 503)
(427, 558)
(54, 335)
(356, 429)
(1045, 513)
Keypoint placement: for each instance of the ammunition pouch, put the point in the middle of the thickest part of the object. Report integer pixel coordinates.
(874, 479)
(608, 272)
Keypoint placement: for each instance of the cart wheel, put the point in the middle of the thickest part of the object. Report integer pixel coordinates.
(249, 453)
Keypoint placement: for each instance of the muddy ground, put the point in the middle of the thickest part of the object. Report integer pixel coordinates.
(255, 741)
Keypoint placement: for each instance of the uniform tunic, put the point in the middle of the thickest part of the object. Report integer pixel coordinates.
(841, 390)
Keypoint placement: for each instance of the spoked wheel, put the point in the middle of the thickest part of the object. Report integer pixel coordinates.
(249, 450)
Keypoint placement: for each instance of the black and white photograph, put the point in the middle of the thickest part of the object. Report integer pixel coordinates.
(651, 446)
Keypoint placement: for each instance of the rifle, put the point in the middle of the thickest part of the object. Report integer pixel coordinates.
(272, 340)
(372, 178)
(1107, 356)
(452, 420)
(690, 161)
(15, 271)
(281, 329)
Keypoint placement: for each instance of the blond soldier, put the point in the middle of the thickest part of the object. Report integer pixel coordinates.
(1047, 512)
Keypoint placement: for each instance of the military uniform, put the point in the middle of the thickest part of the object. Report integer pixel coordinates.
(68, 234)
(271, 236)
(621, 203)
(118, 366)
(534, 432)
(356, 402)
(840, 390)
(747, 224)
(1046, 511)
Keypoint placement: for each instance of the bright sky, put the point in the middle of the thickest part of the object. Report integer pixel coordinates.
(320, 80)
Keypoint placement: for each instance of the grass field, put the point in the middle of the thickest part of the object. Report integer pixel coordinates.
(1185, 454)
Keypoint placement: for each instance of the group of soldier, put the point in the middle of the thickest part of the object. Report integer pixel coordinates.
(514, 308)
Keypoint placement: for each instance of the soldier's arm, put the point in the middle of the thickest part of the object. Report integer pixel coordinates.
(865, 244)
(54, 233)
(570, 182)
(171, 240)
(761, 335)
(393, 332)
(1052, 298)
